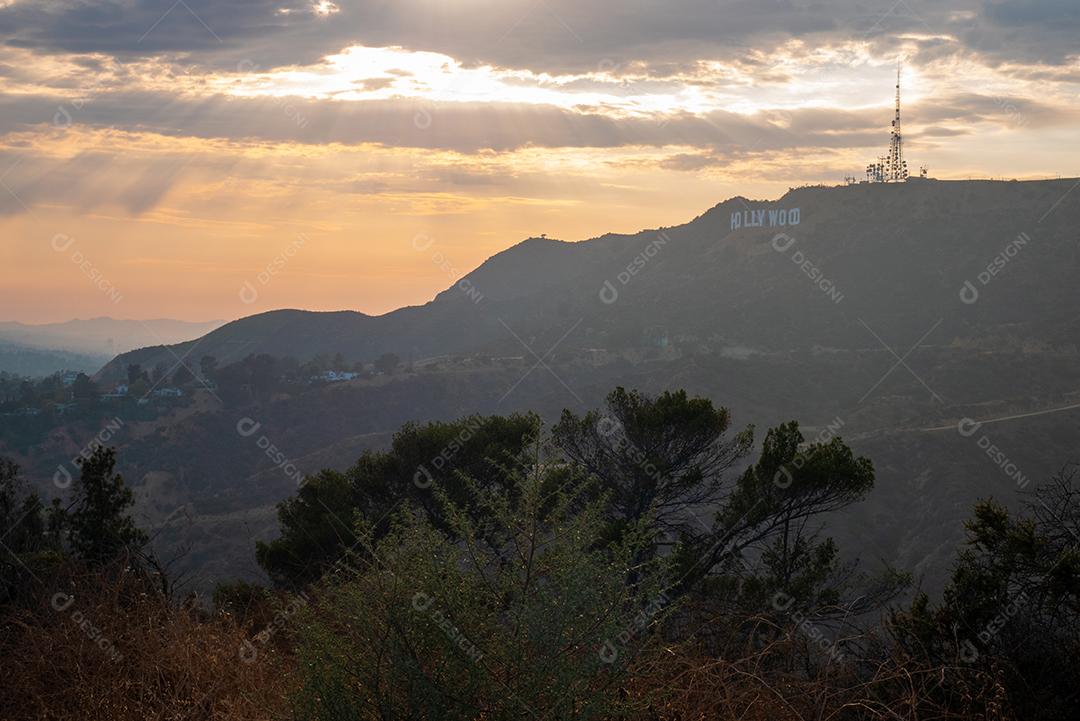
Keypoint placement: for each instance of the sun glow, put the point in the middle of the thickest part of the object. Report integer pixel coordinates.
(793, 76)
(368, 73)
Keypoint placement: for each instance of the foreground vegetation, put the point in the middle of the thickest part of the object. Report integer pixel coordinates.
(631, 563)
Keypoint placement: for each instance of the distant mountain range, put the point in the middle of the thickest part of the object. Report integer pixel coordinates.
(86, 345)
(886, 314)
(23, 360)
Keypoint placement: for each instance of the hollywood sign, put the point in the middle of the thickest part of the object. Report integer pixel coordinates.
(764, 218)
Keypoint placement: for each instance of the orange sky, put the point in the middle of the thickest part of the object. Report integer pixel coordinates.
(371, 177)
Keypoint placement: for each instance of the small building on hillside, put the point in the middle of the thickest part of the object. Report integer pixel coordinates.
(335, 376)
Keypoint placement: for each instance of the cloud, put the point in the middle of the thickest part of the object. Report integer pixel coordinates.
(972, 108)
(937, 131)
(688, 161)
(701, 84)
(558, 36)
(490, 126)
(461, 127)
(1042, 31)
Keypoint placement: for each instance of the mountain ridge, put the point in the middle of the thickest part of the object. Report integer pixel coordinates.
(536, 282)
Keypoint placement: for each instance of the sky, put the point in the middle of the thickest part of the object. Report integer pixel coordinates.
(202, 159)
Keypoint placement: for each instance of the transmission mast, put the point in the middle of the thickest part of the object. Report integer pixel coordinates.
(891, 167)
(896, 167)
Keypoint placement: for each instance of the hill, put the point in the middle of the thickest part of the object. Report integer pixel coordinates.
(887, 315)
(890, 255)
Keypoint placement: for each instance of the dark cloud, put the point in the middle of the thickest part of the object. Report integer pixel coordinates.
(660, 37)
(688, 161)
(937, 131)
(145, 27)
(972, 108)
(1026, 30)
(372, 84)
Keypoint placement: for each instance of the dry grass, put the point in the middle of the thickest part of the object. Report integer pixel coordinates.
(93, 647)
(782, 679)
(167, 662)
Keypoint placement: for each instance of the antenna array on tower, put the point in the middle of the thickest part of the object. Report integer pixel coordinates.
(891, 168)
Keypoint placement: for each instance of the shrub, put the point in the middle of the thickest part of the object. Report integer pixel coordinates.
(528, 612)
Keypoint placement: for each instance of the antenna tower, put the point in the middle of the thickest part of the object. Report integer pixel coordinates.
(891, 168)
(896, 167)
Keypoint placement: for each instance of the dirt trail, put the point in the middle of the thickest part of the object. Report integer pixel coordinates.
(1000, 419)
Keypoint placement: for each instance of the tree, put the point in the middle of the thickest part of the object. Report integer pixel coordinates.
(31, 534)
(525, 614)
(207, 366)
(100, 527)
(182, 376)
(263, 374)
(666, 459)
(655, 455)
(770, 509)
(1010, 616)
(27, 394)
(140, 388)
(387, 363)
(24, 532)
(135, 373)
(20, 513)
(161, 370)
(84, 389)
(316, 523)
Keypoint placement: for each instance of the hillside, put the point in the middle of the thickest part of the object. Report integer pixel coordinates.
(855, 319)
(898, 257)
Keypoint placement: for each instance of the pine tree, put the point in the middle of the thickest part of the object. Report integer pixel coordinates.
(100, 528)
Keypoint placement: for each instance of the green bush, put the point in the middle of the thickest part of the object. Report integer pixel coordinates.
(526, 612)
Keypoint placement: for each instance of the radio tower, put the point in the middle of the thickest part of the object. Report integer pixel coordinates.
(896, 171)
(891, 168)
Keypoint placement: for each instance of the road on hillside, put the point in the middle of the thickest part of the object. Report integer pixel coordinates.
(1000, 419)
